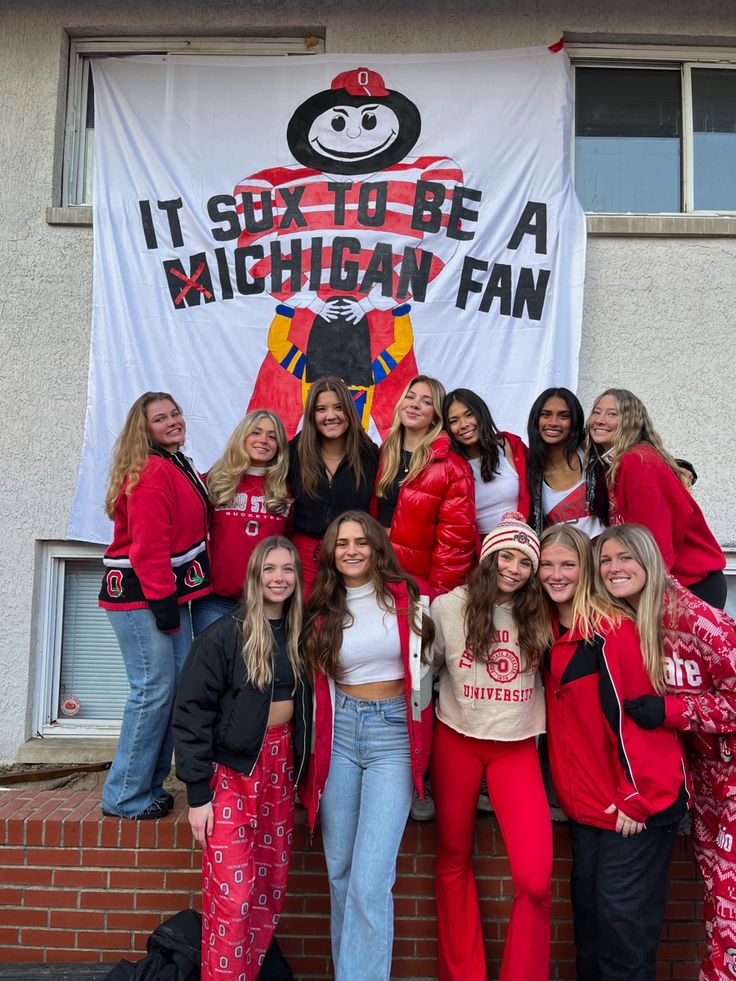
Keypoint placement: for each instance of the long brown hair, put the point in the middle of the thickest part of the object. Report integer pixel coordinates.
(356, 439)
(225, 475)
(327, 611)
(391, 449)
(131, 449)
(528, 608)
(258, 642)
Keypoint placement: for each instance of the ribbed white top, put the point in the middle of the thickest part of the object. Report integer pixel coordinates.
(371, 650)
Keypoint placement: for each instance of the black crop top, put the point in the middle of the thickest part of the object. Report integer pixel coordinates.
(283, 673)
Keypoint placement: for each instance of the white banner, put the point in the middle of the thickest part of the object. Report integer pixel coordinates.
(260, 222)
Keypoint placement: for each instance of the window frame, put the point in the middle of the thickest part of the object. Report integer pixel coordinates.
(46, 723)
(664, 58)
(730, 570)
(83, 49)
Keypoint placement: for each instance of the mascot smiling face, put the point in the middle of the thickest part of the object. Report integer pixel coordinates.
(356, 127)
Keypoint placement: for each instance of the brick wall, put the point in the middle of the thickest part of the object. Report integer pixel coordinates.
(75, 887)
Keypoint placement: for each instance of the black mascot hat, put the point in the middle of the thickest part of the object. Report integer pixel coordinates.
(353, 89)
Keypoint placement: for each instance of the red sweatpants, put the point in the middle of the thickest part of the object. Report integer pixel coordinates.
(517, 793)
(714, 838)
(246, 861)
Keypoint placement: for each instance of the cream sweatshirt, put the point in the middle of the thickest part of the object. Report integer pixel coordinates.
(496, 700)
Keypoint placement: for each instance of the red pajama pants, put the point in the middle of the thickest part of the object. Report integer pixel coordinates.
(246, 860)
(517, 793)
(714, 837)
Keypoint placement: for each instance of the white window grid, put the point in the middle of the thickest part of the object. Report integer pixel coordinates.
(77, 153)
(46, 722)
(663, 58)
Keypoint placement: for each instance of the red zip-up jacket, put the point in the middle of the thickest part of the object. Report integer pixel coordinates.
(648, 493)
(419, 712)
(598, 755)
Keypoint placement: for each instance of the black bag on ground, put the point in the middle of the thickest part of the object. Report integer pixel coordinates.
(175, 954)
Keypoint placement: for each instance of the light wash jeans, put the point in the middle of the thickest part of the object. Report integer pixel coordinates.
(207, 609)
(363, 812)
(153, 662)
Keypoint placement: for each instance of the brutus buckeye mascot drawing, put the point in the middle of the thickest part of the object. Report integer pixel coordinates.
(342, 219)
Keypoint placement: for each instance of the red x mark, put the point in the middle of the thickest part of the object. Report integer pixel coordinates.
(191, 281)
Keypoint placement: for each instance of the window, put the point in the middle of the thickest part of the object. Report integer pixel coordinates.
(655, 130)
(82, 685)
(80, 116)
(730, 571)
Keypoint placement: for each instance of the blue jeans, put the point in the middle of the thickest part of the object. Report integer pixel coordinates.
(153, 662)
(207, 609)
(363, 812)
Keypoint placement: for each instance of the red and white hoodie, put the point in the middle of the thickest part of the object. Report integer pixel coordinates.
(700, 673)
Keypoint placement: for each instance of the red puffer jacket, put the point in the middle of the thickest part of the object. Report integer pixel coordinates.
(433, 528)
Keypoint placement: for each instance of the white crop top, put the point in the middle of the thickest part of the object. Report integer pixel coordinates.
(494, 499)
(371, 650)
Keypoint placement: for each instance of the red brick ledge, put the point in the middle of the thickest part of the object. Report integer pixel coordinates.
(76, 887)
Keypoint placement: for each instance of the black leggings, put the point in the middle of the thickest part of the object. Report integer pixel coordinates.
(712, 589)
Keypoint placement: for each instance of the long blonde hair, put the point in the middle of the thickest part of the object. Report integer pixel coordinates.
(391, 449)
(225, 475)
(634, 426)
(639, 542)
(258, 641)
(591, 613)
(131, 449)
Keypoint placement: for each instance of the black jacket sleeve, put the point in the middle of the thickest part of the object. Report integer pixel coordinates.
(202, 684)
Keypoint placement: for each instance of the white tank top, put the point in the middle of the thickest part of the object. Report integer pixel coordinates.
(371, 649)
(494, 499)
(570, 507)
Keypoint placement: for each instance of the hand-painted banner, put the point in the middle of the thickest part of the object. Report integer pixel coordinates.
(262, 222)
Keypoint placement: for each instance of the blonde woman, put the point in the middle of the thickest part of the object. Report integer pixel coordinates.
(622, 789)
(425, 492)
(690, 648)
(156, 564)
(242, 725)
(647, 487)
(250, 502)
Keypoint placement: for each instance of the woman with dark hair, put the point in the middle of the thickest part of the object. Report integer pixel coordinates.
(490, 634)
(243, 731)
(365, 637)
(250, 502)
(424, 495)
(690, 651)
(647, 487)
(332, 468)
(560, 489)
(497, 459)
(623, 790)
(156, 563)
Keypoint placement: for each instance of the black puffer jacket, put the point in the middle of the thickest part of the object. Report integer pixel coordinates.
(220, 717)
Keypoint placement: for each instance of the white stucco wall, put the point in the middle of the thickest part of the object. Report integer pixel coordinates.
(658, 312)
